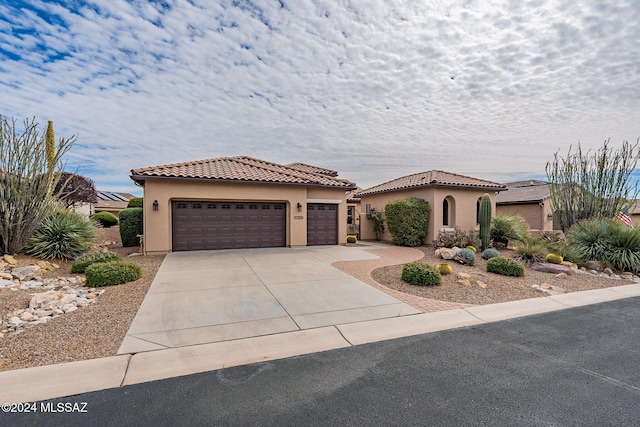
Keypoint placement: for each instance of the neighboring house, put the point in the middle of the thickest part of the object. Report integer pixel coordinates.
(241, 202)
(531, 200)
(454, 200)
(109, 201)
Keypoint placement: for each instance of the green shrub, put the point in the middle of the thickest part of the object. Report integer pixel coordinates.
(377, 219)
(608, 241)
(505, 267)
(508, 227)
(407, 220)
(84, 261)
(465, 256)
(490, 253)
(421, 274)
(135, 202)
(130, 226)
(112, 273)
(64, 234)
(106, 219)
(531, 250)
(457, 237)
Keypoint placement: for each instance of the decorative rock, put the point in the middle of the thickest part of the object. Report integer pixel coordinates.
(570, 265)
(5, 276)
(545, 286)
(550, 290)
(561, 276)
(3, 264)
(464, 282)
(447, 253)
(482, 284)
(26, 273)
(15, 321)
(546, 267)
(608, 271)
(10, 260)
(463, 276)
(594, 265)
(27, 317)
(594, 272)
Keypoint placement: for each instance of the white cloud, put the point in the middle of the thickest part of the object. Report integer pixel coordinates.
(374, 89)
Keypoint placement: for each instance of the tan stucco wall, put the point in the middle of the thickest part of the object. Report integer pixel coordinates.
(157, 224)
(537, 216)
(462, 213)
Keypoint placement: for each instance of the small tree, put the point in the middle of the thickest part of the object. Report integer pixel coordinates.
(72, 189)
(592, 185)
(25, 181)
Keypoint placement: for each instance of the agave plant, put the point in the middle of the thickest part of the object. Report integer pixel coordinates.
(508, 227)
(531, 250)
(64, 234)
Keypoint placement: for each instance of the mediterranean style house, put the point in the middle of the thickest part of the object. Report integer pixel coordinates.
(454, 200)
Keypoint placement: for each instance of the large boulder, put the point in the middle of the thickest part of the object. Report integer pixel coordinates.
(547, 267)
(447, 253)
(26, 273)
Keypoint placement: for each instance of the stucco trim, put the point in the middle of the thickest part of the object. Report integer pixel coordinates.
(329, 201)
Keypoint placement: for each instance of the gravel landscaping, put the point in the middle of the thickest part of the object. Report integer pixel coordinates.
(498, 288)
(87, 333)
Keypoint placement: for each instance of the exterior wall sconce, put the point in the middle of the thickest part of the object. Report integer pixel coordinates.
(299, 207)
(155, 205)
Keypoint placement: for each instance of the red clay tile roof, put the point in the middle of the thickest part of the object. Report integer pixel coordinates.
(313, 169)
(433, 178)
(239, 169)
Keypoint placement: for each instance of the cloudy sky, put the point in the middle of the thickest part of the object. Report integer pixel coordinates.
(375, 89)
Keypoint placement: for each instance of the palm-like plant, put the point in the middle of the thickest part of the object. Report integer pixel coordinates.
(64, 234)
(508, 227)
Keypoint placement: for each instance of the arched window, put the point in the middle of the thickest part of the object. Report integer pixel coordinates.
(445, 213)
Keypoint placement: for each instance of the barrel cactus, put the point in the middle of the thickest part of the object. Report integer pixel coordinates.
(554, 259)
(444, 268)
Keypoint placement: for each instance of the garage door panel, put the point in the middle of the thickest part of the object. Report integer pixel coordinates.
(322, 224)
(202, 225)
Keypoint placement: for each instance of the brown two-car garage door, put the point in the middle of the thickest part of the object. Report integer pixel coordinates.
(204, 225)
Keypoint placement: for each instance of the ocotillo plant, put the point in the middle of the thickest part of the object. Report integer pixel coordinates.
(485, 221)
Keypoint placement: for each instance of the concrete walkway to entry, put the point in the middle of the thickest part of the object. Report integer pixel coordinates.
(212, 296)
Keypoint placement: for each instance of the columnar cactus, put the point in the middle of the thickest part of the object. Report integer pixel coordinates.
(485, 221)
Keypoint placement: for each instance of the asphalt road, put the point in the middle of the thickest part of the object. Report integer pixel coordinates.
(572, 367)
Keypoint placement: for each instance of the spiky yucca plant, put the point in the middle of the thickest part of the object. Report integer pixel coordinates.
(64, 234)
(508, 227)
(531, 250)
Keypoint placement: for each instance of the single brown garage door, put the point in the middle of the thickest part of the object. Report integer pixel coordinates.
(203, 225)
(322, 224)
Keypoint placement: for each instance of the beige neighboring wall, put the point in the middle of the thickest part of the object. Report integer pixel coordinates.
(463, 210)
(538, 215)
(157, 224)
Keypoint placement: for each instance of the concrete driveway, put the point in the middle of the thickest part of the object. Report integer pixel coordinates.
(211, 296)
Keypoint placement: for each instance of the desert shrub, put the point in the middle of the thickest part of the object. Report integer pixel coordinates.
(490, 253)
(84, 261)
(457, 237)
(106, 219)
(554, 258)
(531, 250)
(508, 227)
(351, 239)
(112, 273)
(131, 226)
(608, 241)
(421, 274)
(443, 268)
(465, 256)
(505, 267)
(64, 234)
(407, 220)
(135, 202)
